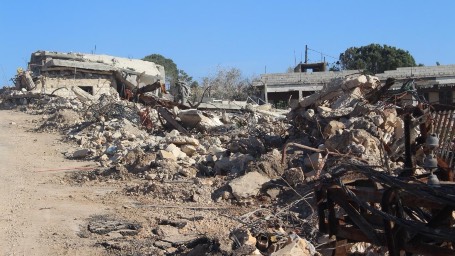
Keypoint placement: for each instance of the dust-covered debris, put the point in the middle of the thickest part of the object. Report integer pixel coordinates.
(258, 162)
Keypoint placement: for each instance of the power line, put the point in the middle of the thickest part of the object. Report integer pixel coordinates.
(322, 53)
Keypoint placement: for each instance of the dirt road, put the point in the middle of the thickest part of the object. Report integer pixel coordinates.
(40, 214)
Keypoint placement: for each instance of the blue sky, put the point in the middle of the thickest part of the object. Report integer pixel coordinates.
(200, 35)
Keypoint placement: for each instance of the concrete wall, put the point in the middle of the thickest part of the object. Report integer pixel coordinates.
(98, 85)
(430, 71)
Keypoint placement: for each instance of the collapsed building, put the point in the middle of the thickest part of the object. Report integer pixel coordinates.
(72, 74)
(349, 170)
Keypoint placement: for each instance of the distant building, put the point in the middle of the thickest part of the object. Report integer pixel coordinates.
(435, 83)
(280, 89)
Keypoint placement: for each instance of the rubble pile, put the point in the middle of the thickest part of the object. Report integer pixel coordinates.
(254, 159)
(341, 119)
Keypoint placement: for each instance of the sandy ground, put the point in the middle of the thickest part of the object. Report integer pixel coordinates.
(40, 214)
(44, 212)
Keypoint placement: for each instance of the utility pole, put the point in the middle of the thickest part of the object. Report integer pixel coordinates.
(306, 54)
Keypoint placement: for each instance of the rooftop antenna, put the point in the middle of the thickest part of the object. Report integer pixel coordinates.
(295, 60)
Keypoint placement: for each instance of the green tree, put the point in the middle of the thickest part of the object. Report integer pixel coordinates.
(335, 66)
(183, 76)
(173, 74)
(169, 67)
(376, 58)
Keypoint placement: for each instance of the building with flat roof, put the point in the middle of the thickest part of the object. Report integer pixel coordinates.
(435, 83)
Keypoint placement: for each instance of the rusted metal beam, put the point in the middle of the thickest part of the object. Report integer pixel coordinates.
(353, 234)
(440, 218)
(408, 164)
(355, 216)
(428, 233)
(292, 144)
(322, 206)
(428, 250)
(163, 112)
(441, 115)
(375, 196)
(445, 133)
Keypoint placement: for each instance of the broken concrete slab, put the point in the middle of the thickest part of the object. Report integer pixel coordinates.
(167, 155)
(251, 145)
(175, 151)
(332, 127)
(248, 185)
(355, 141)
(193, 118)
(349, 99)
(327, 112)
(182, 140)
(338, 87)
(82, 95)
(234, 164)
(190, 150)
(296, 247)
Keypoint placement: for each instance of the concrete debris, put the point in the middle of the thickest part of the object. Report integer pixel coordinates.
(252, 146)
(294, 176)
(164, 154)
(234, 164)
(181, 140)
(173, 156)
(349, 124)
(189, 150)
(268, 164)
(327, 112)
(356, 141)
(176, 152)
(296, 247)
(193, 118)
(332, 127)
(338, 87)
(247, 185)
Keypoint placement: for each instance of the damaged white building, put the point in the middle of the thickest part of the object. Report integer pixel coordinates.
(73, 74)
